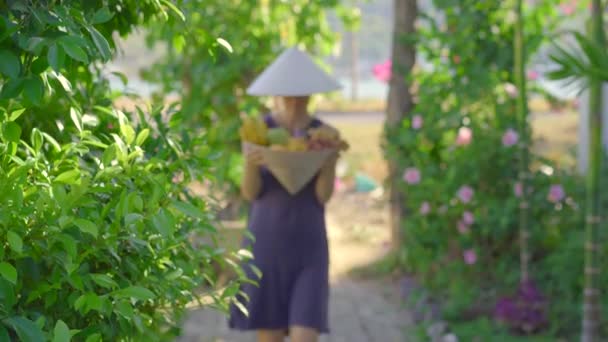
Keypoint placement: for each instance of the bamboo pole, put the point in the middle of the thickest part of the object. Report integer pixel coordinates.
(591, 294)
(522, 114)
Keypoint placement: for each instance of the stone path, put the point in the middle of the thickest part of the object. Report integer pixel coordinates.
(360, 311)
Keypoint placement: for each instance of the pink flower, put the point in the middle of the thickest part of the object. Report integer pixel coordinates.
(338, 184)
(532, 75)
(456, 59)
(518, 189)
(425, 208)
(556, 193)
(463, 228)
(382, 71)
(468, 218)
(411, 175)
(567, 9)
(465, 193)
(510, 138)
(417, 122)
(470, 257)
(110, 126)
(511, 90)
(465, 135)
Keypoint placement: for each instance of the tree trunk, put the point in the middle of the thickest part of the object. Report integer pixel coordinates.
(591, 294)
(400, 102)
(522, 111)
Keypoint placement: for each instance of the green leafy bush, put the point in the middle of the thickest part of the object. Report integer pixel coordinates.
(459, 154)
(101, 237)
(99, 233)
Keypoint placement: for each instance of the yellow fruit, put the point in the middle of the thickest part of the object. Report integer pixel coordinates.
(278, 148)
(297, 144)
(253, 130)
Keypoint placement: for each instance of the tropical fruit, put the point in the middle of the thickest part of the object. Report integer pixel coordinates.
(278, 136)
(297, 144)
(325, 137)
(254, 130)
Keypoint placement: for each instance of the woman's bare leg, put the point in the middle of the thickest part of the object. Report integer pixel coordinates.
(303, 334)
(271, 335)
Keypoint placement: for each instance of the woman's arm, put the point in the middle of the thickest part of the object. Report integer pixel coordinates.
(324, 188)
(251, 184)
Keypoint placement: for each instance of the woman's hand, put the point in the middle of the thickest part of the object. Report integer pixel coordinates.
(254, 158)
(324, 188)
(251, 184)
(332, 160)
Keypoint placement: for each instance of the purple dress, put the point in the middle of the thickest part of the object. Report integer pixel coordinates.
(291, 250)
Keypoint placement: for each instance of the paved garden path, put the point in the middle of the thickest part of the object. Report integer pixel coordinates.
(360, 311)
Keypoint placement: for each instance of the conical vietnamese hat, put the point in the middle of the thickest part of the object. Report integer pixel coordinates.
(293, 73)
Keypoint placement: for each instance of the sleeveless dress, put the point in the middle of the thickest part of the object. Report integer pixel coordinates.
(290, 248)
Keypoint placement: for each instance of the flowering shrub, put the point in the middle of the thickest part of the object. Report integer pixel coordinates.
(459, 153)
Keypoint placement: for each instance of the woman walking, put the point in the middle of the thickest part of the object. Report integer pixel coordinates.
(290, 242)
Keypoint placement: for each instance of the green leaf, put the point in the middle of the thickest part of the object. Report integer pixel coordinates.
(56, 57)
(61, 333)
(27, 330)
(175, 274)
(189, 209)
(39, 65)
(142, 136)
(128, 133)
(87, 302)
(8, 272)
(10, 65)
(12, 88)
(225, 44)
(101, 43)
(16, 114)
(4, 337)
(76, 118)
(123, 79)
(68, 177)
(124, 309)
(101, 16)
(14, 241)
(104, 281)
(94, 338)
(230, 291)
(87, 226)
(178, 43)
(35, 44)
(37, 139)
(69, 245)
(33, 90)
(163, 223)
(174, 9)
(135, 292)
(65, 83)
(11, 131)
(73, 49)
(7, 294)
(52, 141)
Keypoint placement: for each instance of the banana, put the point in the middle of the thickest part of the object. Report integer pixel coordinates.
(253, 130)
